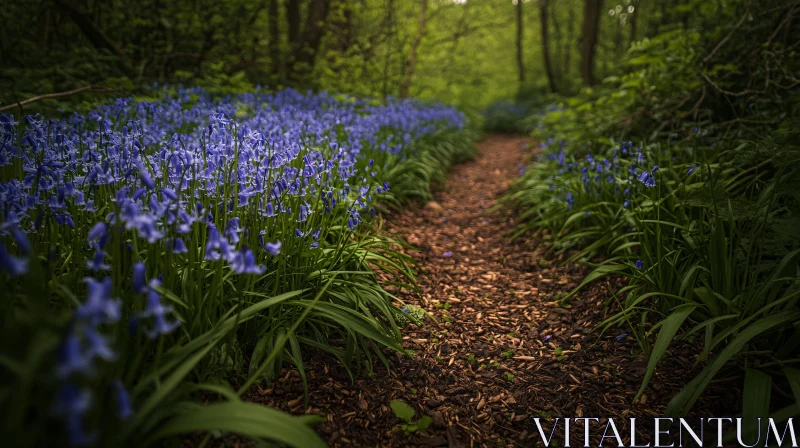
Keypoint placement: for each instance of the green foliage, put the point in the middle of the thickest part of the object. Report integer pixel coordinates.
(708, 239)
(404, 412)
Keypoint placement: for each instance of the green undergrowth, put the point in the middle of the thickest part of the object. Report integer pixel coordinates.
(684, 184)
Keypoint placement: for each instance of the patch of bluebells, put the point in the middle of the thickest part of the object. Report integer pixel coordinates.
(598, 176)
(185, 175)
(178, 165)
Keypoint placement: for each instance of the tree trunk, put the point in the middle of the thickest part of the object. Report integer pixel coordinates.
(389, 25)
(633, 17)
(570, 40)
(305, 52)
(548, 68)
(96, 36)
(591, 25)
(520, 61)
(274, 41)
(558, 43)
(293, 19)
(412, 55)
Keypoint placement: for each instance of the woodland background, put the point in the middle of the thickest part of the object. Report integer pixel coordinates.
(467, 53)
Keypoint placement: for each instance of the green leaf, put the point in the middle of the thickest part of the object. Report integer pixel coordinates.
(669, 328)
(683, 401)
(755, 399)
(423, 423)
(246, 419)
(402, 410)
(793, 376)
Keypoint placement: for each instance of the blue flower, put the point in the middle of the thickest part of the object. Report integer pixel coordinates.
(692, 168)
(72, 358)
(146, 179)
(178, 246)
(158, 312)
(244, 262)
(169, 194)
(123, 399)
(448, 254)
(97, 262)
(100, 307)
(22, 240)
(72, 404)
(639, 264)
(12, 265)
(569, 199)
(304, 212)
(98, 346)
(97, 232)
(217, 246)
(139, 278)
(626, 203)
(273, 248)
(647, 179)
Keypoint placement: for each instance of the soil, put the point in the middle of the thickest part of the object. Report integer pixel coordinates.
(503, 349)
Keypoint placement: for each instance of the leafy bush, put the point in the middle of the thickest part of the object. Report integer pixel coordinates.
(150, 250)
(505, 116)
(699, 213)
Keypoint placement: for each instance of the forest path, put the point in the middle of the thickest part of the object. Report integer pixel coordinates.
(503, 350)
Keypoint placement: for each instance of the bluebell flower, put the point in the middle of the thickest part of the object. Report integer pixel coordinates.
(232, 230)
(97, 262)
(139, 278)
(270, 210)
(647, 179)
(72, 358)
(448, 254)
(72, 404)
(169, 193)
(97, 232)
(100, 307)
(10, 264)
(244, 262)
(123, 399)
(304, 212)
(178, 246)
(22, 240)
(159, 313)
(692, 168)
(146, 179)
(217, 246)
(626, 203)
(639, 264)
(273, 248)
(98, 346)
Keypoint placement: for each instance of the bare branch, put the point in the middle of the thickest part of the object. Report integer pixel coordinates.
(726, 39)
(58, 95)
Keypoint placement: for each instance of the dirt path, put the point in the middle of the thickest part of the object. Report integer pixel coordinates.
(504, 350)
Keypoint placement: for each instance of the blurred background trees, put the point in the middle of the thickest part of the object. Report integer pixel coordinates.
(458, 51)
(463, 52)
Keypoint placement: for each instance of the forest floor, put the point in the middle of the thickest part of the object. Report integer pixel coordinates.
(504, 349)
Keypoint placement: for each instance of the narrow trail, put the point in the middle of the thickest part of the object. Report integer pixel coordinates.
(503, 351)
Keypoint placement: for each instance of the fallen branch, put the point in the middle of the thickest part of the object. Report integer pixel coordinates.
(57, 95)
(727, 38)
